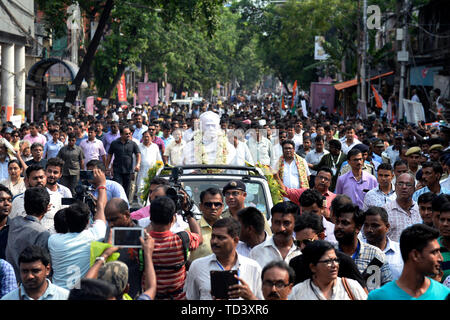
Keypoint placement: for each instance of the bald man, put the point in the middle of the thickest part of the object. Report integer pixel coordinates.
(117, 214)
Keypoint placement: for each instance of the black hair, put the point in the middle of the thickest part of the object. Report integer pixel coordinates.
(250, 216)
(33, 167)
(285, 207)
(287, 141)
(212, 191)
(55, 162)
(280, 265)
(160, 181)
(445, 207)
(438, 201)
(325, 169)
(59, 221)
(437, 168)
(311, 196)
(162, 210)
(416, 237)
(426, 197)
(358, 214)
(377, 211)
(313, 251)
(97, 164)
(15, 161)
(6, 189)
(309, 220)
(335, 143)
(353, 152)
(399, 163)
(93, 289)
(232, 225)
(77, 216)
(34, 253)
(36, 201)
(385, 166)
(36, 145)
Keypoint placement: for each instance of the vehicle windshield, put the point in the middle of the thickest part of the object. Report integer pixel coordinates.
(255, 192)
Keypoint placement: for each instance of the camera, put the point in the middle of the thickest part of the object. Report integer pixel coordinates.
(174, 193)
(83, 191)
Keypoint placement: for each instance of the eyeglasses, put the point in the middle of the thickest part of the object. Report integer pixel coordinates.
(304, 241)
(404, 184)
(232, 193)
(329, 262)
(323, 178)
(210, 204)
(278, 284)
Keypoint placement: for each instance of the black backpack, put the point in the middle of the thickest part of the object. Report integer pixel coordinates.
(184, 236)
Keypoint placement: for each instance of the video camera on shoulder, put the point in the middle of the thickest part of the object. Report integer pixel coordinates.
(174, 193)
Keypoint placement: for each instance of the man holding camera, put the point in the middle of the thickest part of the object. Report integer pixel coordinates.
(170, 253)
(113, 188)
(70, 252)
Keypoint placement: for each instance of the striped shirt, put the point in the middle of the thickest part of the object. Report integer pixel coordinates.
(169, 252)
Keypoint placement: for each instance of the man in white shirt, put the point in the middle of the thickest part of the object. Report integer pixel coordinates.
(280, 246)
(140, 128)
(224, 239)
(260, 147)
(149, 154)
(53, 171)
(35, 176)
(173, 153)
(243, 153)
(349, 141)
(314, 156)
(292, 169)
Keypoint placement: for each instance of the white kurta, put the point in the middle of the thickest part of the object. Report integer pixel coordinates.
(149, 156)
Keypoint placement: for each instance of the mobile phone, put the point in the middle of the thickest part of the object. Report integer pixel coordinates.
(86, 175)
(221, 281)
(127, 237)
(67, 201)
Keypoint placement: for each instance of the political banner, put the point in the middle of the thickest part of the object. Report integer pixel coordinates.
(122, 90)
(148, 93)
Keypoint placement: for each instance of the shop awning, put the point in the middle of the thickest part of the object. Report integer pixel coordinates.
(351, 83)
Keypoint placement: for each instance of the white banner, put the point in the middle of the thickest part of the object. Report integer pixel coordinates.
(413, 111)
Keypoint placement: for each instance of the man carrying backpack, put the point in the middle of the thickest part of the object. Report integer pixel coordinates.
(170, 253)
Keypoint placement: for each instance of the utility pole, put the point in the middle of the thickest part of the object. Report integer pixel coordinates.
(364, 55)
(403, 58)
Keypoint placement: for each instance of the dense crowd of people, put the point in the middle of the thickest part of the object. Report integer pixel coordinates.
(365, 213)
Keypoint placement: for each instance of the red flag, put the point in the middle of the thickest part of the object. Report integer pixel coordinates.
(294, 88)
(282, 103)
(122, 89)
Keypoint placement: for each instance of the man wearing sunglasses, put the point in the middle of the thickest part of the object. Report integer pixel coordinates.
(211, 206)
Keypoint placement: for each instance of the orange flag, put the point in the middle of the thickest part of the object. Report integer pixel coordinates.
(282, 103)
(294, 88)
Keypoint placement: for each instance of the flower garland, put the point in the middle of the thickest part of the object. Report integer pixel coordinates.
(276, 191)
(200, 154)
(151, 173)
